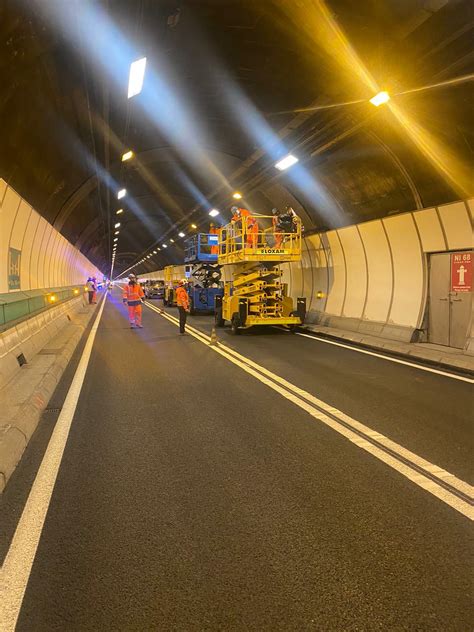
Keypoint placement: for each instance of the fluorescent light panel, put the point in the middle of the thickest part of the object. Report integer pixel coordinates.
(136, 76)
(122, 193)
(381, 97)
(213, 212)
(286, 162)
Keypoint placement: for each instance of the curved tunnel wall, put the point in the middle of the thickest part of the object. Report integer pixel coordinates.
(373, 277)
(33, 254)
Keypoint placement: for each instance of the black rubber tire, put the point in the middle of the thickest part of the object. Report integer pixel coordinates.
(235, 324)
(218, 320)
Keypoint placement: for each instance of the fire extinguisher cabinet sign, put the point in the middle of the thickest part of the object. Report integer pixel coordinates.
(461, 272)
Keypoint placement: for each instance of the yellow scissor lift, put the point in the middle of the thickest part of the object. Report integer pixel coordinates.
(256, 295)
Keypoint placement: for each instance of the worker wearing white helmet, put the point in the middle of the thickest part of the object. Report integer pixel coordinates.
(133, 296)
(182, 301)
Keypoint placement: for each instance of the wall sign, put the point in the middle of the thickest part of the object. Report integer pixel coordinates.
(461, 272)
(14, 261)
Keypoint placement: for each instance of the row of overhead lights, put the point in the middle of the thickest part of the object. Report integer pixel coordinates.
(137, 72)
(135, 85)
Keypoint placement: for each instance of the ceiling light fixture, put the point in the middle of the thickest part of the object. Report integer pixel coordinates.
(181, 234)
(193, 226)
(122, 193)
(116, 238)
(213, 212)
(127, 155)
(172, 241)
(381, 97)
(286, 162)
(117, 225)
(165, 246)
(237, 196)
(117, 232)
(136, 76)
(119, 211)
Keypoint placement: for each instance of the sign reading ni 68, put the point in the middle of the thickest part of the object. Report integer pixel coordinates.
(461, 272)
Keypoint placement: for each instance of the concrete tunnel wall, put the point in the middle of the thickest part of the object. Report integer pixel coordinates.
(373, 277)
(32, 248)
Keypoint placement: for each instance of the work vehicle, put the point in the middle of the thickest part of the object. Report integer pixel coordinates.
(200, 253)
(154, 291)
(257, 295)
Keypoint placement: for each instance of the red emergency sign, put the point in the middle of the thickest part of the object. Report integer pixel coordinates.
(461, 272)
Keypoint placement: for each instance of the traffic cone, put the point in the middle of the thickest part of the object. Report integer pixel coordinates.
(213, 342)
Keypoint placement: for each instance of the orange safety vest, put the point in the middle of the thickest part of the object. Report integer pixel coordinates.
(251, 221)
(133, 293)
(182, 298)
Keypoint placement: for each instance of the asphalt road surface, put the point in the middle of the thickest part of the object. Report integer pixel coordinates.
(193, 496)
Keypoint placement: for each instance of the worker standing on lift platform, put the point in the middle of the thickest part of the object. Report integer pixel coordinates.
(213, 230)
(182, 301)
(133, 296)
(238, 215)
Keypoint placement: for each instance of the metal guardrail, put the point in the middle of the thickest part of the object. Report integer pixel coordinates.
(17, 306)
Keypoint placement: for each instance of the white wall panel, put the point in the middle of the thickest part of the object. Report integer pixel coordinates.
(44, 256)
(470, 204)
(26, 253)
(19, 225)
(379, 264)
(356, 272)
(35, 273)
(337, 275)
(457, 225)
(408, 270)
(54, 262)
(429, 227)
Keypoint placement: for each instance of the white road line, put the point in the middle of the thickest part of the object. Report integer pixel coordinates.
(16, 568)
(389, 358)
(305, 400)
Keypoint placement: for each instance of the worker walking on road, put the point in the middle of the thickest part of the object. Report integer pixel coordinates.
(133, 296)
(182, 301)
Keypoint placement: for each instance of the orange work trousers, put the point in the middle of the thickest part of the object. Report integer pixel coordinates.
(135, 314)
(252, 235)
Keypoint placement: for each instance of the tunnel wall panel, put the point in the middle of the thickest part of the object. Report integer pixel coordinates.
(379, 266)
(356, 272)
(430, 230)
(337, 274)
(456, 224)
(34, 255)
(407, 270)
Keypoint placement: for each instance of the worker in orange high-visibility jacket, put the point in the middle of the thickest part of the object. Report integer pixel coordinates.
(182, 301)
(213, 230)
(133, 296)
(251, 238)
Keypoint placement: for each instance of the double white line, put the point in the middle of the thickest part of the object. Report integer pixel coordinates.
(445, 486)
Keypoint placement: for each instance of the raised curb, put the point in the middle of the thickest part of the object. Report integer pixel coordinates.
(17, 432)
(463, 364)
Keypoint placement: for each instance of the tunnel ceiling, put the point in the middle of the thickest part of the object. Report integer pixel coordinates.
(225, 84)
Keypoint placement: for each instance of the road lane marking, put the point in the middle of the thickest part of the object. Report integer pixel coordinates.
(18, 562)
(422, 367)
(442, 484)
